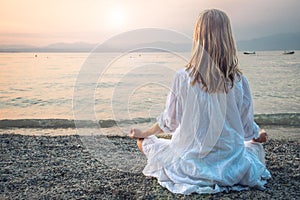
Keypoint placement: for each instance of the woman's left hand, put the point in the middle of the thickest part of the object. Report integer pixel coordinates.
(263, 137)
(136, 133)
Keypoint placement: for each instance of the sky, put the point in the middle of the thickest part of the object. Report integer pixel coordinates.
(43, 22)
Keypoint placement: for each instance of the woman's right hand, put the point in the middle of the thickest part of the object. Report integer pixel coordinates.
(136, 133)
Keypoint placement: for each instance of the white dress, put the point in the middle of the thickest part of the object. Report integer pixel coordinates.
(210, 150)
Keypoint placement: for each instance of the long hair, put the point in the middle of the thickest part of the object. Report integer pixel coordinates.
(214, 62)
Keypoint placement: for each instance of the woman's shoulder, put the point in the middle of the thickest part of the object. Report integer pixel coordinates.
(182, 73)
(244, 81)
(181, 78)
(241, 79)
(243, 84)
(240, 82)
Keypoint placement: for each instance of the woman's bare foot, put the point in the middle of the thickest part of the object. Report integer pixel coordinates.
(263, 137)
(139, 143)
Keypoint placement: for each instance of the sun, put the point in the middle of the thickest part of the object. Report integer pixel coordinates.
(117, 18)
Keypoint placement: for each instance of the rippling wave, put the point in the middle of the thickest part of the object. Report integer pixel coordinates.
(286, 119)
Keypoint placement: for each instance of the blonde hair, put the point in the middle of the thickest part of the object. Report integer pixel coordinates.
(214, 61)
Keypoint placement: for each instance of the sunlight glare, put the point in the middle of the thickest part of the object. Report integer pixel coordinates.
(117, 18)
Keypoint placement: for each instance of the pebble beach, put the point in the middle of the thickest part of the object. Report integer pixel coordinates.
(61, 167)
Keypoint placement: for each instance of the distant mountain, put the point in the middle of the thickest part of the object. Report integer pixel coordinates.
(15, 48)
(288, 41)
(57, 47)
(106, 47)
(78, 46)
(146, 47)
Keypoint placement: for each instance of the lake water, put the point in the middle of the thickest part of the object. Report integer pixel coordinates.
(127, 86)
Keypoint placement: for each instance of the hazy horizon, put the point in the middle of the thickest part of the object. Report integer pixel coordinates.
(44, 22)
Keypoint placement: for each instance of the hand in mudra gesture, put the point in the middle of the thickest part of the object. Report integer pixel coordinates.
(136, 133)
(263, 137)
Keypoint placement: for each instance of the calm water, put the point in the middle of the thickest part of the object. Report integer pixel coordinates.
(132, 86)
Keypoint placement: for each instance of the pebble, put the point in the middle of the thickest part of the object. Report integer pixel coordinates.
(43, 167)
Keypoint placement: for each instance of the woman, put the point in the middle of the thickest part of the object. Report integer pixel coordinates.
(215, 144)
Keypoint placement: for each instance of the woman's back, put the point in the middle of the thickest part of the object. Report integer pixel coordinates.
(209, 122)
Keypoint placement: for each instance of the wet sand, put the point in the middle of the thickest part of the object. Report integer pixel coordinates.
(62, 167)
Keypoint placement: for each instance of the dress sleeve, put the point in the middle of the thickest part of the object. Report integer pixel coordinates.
(251, 129)
(170, 119)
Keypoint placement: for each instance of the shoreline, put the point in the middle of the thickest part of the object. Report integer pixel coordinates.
(275, 119)
(277, 132)
(39, 167)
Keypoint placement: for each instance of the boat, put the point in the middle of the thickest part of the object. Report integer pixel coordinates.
(249, 52)
(288, 52)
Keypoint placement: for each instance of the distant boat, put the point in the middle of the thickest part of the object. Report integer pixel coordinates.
(249, 52)
(288, 52)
